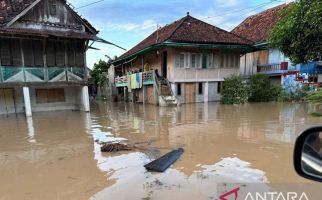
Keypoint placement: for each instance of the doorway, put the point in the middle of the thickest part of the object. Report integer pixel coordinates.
(7, 101)
(165, 64)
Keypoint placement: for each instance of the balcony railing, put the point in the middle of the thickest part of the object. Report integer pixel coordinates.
(41, 74)
(147, 79)
(273, 68)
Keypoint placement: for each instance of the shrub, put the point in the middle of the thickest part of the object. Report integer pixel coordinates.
(261, 89)
(314, 96)
(298, 95)
(235, 90)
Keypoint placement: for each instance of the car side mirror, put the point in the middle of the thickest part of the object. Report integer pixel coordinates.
(308, 154)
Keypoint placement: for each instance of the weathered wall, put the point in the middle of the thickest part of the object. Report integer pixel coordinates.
(250, 61)
(73, 100)
(50, 15)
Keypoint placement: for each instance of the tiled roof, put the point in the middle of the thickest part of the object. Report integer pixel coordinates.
(257, 27)
(10, 9)
(189, 30)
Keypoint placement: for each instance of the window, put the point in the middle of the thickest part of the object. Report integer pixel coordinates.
(33, 53)
(60, 54)
(200, 88)
(50, 54)
(179, 89)
(16, 53)
(219, 86)
(216, 61)
(71, 55)
(80, 54)
(180, 58)
(204, 61)
(5, 53)
(193, 60)
(50, 95)
(10, 52)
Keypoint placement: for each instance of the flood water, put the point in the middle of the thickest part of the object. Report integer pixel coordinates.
(56, 155)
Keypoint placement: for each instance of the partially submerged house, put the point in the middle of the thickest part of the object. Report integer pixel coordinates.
(267, 60)
(183, 62)
(43, 56)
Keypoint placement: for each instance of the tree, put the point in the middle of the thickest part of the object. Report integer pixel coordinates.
(99, 72)
(299, 33)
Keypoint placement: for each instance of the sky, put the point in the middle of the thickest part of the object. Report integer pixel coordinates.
(127, 22)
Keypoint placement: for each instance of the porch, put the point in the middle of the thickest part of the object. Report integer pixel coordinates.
(147, 79)
(275, 68)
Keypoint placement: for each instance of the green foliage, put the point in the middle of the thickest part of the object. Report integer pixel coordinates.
(314, 96)
(99, 72)
(235, 90)
(299, 34)
(298, 95)
(261, 89)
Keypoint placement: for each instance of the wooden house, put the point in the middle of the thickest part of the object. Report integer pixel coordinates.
(183, 62)
(265, 60)
(43, 46)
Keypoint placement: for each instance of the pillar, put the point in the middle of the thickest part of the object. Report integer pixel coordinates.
(206, 92)
(26, 98)
(144, 95)
(85, 99)
(155, 95)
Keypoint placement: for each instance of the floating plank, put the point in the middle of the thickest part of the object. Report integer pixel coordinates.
(163, 163)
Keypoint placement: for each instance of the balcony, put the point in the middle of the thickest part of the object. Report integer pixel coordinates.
(19, 75)
(147, 79)
(274, 69)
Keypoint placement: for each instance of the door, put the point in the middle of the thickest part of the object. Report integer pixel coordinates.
(165, 64)
(190, 92)
(7, 101)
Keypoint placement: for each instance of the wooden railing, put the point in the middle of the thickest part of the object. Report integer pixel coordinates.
(272, 67)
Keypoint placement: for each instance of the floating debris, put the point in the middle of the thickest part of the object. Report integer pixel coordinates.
(114, 147)
(163, 163)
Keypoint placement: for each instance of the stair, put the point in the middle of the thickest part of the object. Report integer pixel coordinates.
(165, 101)
(166, 96)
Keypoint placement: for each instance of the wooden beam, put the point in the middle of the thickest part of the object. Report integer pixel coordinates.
(23, 13)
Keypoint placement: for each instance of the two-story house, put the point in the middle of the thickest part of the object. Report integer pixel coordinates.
(266, 60)
(183, 62)
(43, 56)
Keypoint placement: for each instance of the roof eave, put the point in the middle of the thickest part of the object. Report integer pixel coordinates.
(245, 48)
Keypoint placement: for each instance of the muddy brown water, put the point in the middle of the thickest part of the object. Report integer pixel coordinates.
(54, 155)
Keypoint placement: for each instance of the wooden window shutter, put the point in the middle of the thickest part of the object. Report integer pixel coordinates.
(5, 53)
(60, 54)
(50, 54)
(71, 55)
(28, 53)
(38, 53)
(16, 53)
(80, 54)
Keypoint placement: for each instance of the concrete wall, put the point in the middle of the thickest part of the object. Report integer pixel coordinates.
(73, 100)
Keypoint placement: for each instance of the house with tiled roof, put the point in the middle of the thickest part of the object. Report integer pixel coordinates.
(269, 61)
(43, 46)
(183, 62)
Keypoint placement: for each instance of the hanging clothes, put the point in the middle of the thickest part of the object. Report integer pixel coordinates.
(138, 81)
(141, 80)
(133, 81)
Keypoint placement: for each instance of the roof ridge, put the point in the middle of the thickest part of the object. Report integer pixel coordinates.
(267, 10)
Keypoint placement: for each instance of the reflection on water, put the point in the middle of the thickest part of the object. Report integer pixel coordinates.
(56, 155)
